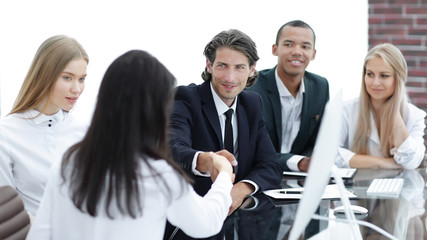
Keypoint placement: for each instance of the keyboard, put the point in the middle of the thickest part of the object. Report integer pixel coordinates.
(385, 187)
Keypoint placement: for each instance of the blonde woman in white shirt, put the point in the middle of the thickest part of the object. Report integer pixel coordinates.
(382, 129)
(119, 182)
(38, 130)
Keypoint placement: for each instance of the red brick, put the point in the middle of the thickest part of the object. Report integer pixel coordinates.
(398, 20)
(386, 10)
(415, 53)
(421, 21)
(416, 95)
(375, 20)
(417, 73)
(417, 31)
(414, 84)
(402, 1)
(377, 1)
(416, 10)
(407, 42)
(389, 31)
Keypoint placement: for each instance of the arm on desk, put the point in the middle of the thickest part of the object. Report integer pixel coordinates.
(366, 161)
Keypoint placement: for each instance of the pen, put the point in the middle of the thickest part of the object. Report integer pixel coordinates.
(290, 192)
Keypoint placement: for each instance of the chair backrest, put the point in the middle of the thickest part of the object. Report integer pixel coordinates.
(14, 219)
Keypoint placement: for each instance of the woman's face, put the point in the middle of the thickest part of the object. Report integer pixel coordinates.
(379, 80)
(68, 87)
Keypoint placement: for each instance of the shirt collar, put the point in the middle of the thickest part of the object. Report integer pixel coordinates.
(40, 118)
(283, 91)
(221, 107)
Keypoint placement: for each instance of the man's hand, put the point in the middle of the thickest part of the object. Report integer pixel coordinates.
(303, 164)
(205, 162)
(238, 193)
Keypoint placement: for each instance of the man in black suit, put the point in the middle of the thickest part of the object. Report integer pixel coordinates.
(293, 99)
(198, 120)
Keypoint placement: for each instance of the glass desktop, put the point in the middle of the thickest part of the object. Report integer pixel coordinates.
(261, 217)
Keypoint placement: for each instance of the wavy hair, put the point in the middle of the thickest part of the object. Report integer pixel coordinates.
(394, 58)
(236, 40)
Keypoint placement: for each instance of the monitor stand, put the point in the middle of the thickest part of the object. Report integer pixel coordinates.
(357, 235)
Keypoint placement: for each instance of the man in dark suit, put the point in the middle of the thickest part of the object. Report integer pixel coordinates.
(293, 99)
(197, 124)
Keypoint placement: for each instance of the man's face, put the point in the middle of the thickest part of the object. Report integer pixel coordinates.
(230, 72)
(295, 50)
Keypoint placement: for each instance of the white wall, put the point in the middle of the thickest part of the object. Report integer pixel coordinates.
(176, 31)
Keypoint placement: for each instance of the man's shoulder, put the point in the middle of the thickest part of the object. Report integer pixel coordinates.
(262, 79)
(249, 98)
(265, 72)
(315, 77)
(190, 90)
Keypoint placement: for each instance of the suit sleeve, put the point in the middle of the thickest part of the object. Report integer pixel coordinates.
(266, 171)
(181, 122)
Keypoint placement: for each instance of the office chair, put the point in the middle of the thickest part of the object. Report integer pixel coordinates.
(14, 219)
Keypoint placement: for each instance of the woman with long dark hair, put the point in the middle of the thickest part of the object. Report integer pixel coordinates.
(119, 182)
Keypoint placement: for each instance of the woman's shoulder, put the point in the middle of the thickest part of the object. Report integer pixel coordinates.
(158, 165)
(414, 111)
(351, 105)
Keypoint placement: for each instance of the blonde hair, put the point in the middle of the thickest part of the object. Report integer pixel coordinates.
(395, 103)
(50, 60)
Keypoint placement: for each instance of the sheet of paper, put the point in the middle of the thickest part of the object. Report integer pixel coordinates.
(343, 172)
(331, 192)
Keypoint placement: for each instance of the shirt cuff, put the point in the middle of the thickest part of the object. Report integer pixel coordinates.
(293, 162)
(344, 158)
(253, 184)
(194, 165)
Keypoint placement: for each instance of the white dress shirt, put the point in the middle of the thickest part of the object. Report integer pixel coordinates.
(409, 154)
(197, 216)
(28, 147)
(291, 119)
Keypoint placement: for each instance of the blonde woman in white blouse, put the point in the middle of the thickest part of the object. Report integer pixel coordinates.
(39, 128)
(381, 128)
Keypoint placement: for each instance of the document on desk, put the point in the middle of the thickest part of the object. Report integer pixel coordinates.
(331, 192)
(345, 173)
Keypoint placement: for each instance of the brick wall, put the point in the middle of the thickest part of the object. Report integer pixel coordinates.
(404, 23)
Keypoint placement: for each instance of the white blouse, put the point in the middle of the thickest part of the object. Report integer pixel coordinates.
(29, 146)
(409, 154)
(197, 216)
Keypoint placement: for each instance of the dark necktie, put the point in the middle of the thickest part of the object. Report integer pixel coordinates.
(228, 138)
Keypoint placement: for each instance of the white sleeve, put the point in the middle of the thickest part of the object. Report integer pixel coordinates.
(344, 155)
(6, 164)
(293, 161)
(411, 152)
(42, 226)
(202, 216)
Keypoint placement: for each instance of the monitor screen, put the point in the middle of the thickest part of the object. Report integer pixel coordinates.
(322, 160)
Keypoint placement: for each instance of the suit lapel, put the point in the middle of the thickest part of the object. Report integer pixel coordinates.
(243, 134)
(274, 97)
(209, 109)
(307, 123)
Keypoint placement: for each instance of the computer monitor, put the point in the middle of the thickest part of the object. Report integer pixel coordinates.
(322, 161)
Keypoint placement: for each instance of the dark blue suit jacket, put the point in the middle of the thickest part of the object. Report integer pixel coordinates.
(195, 127)
(314, 100)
